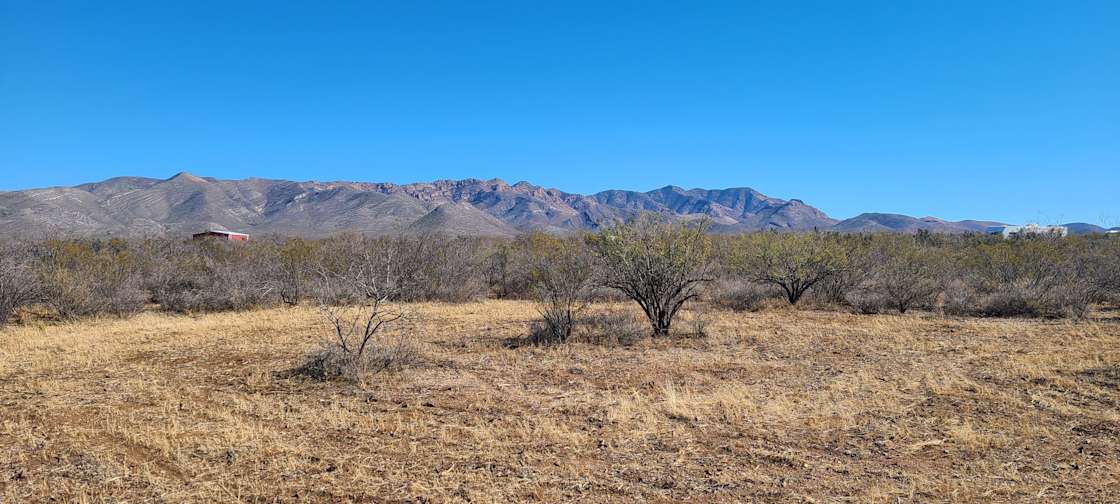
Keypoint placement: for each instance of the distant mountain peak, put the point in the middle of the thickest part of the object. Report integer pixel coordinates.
(186, 177)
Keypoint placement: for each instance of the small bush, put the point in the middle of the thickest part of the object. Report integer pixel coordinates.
(330, 362)
(867, 301)
(741, 295)
(613, 328)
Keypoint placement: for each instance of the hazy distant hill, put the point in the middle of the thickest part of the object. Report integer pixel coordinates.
(1080, 228)
(877, 222)
(134, 206)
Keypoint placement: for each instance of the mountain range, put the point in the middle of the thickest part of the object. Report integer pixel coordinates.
(185, 203)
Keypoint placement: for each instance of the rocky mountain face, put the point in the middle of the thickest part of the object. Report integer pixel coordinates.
(185, 203)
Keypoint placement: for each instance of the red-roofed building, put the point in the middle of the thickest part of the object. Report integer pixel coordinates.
(221, 234)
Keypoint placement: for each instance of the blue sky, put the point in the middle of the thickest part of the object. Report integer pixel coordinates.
(998, 110)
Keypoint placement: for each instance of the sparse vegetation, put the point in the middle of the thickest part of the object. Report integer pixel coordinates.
(801, 404)
(658, 265)
(814, 403)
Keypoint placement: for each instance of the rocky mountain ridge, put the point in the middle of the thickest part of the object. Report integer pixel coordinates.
(138, 206)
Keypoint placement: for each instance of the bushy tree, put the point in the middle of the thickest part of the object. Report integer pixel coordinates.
(437, 267)
(902, 273)
(213, 275)
(794, 262)
(660, 265)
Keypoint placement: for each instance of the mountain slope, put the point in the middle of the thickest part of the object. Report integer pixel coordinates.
(1080, 228)
(184, 203)
(461, 219)
(895, 223)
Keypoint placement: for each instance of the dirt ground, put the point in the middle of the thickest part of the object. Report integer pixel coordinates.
(787, 406)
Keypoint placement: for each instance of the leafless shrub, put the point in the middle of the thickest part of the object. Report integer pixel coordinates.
(659, 265)
(212, 275)
(361, 342)
(743, 295)
(19, 285)
(293, 267)
(867, 301)
(436, 267)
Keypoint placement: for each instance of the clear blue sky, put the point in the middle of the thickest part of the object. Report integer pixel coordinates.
(1001, 110)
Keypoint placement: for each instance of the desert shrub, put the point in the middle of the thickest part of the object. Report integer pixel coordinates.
(82, 278)
(744, 295)
(437, 267)
(901, 274)
(1029, 276)
(1097, 262)
(496, 269)
(19, 284)
(867, 301)
(793, 262)
(560, 276)
(331, 362)
(658, 265)
(213, 275)
(293, 267)
(611, 328)
(357, 301)
(858, 264)
(507, 268)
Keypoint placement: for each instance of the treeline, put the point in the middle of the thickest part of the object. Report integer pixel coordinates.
(658, 265)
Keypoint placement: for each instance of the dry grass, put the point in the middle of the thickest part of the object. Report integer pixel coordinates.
(772, 406)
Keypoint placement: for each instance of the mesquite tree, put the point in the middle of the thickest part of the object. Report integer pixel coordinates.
(659, 265)
(795, 262)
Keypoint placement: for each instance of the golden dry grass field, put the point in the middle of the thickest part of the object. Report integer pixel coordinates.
(776, 406)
